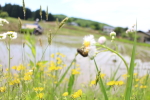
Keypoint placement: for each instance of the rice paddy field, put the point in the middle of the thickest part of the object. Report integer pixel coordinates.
(52, 66)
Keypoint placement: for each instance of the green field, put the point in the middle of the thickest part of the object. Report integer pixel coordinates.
(57, 78)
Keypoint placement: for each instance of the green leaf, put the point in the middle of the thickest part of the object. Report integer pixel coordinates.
(71, 83)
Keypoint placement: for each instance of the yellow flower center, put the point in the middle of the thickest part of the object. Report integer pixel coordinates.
(86, 43)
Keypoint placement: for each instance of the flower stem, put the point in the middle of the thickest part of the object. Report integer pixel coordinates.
(115, 53)
(101, 83)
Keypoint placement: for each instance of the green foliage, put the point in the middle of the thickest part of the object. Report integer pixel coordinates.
(60, 17)
(71, 83)
(120, 30)
(27, 31)
(4, 14)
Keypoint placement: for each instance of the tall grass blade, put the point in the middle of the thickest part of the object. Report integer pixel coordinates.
(128, 91)
(101, 83)
(71, 83)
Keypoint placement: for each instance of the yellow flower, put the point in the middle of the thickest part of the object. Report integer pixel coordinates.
(7, 69)
(111, 83)
(14, 67)
(77, 94)
(136, 85)
(52, 55)
(35, 89)
(135, 74)
(27, 77)
(143, 86)
(41, 88)
(29, 73)
(17, 81)
(74, 71)
(92, 83)
(125, 76)
(20, 67)
(119, 83)
(102, 75)
(2, 89)
(40, 95)
(64, 65)
(65, 94)
(11, 83)
(137, 80)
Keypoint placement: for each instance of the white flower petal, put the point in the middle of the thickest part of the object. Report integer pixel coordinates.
(92, 52)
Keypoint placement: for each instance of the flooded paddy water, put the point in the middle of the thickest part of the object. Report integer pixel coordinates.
(107, 61)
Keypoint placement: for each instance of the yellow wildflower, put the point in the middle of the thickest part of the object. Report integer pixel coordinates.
(65, 94)
(58, 53)
(137, 80)
(40, 95)
(125, 76)
(29, 73)
(74, 71)
(11, 83)
(14, 67)
(17, 81)
(27, 77)
(135, 74)
(41, 88)
(77, 94)
(136, 85)
(64, 65)
(35, 89)
(7, 69)
(119, 83)
(52, 55)
(20, 67)
(2, 89)
(111, 83)
(143, 86)
(102, 75)
(92, 83)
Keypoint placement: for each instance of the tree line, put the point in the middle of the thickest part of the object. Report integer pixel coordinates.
(17, 11)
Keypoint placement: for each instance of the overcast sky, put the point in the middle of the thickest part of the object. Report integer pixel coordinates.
(113, 12)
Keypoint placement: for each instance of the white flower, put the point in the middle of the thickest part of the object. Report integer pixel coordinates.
(92, 52)
(3, 36)
(88, 41)
(3, 21)
(12, 35)
(102, 40)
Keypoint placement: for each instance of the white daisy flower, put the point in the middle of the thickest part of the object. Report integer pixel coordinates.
(92, 52)
(88, 41)
(12, 35)
(90, 48)
(102, 40)
(2, 36)
(3, 21)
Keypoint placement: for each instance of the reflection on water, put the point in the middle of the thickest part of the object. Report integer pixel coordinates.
(107, 62)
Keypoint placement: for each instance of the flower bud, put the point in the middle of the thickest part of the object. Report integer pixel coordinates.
(102, 40)
(112, 34)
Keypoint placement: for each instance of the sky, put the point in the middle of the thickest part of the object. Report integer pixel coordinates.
(117, 13)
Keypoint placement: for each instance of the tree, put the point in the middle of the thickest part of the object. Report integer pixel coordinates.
(120, 30)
